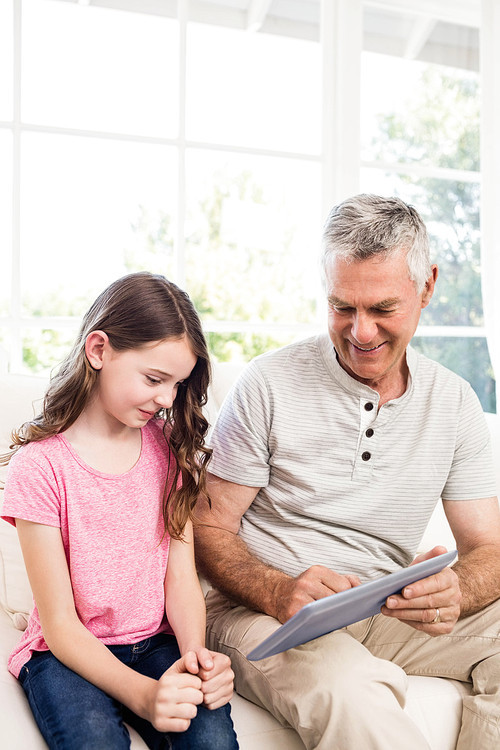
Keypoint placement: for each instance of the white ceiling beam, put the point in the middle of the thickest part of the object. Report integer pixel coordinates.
(421, 30)
(462, 12)
(152, 7)
(256, 14)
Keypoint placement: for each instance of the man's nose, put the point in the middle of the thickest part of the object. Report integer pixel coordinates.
(364, 328)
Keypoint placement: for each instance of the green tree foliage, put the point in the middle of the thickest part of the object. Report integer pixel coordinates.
(154, 249)
(233, 279)
(228, 279)
(439, 127)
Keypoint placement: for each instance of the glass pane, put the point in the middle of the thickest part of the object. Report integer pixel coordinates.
(244, 346)
(6, 60)
(254, 90)
(5, 343)
(252, 238)
(450, 210)
(44, 349)
(92, 210)
(95, 68)
(428, 115)
(5, 219)
(466, 356)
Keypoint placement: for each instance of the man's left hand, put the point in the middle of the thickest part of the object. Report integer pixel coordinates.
(431, 604)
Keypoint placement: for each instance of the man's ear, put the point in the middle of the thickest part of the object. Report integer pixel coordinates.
(429, 286)
(95, 344)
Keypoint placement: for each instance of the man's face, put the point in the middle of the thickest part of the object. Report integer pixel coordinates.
(373, 312)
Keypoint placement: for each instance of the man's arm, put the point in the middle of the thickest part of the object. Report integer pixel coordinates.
(470, 585)
(229, 565)
(476, 527)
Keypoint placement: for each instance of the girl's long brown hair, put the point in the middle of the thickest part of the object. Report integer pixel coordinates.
(133, 311)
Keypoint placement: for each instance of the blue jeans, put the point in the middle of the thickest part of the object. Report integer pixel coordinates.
(73, 714)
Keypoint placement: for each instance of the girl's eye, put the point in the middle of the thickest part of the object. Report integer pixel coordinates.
(153, 381)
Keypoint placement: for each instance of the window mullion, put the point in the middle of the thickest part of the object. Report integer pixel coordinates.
(180, 259)
(16, 349)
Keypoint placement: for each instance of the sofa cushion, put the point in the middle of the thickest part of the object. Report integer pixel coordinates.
(15, 591)
(21, 399)
(428, 699)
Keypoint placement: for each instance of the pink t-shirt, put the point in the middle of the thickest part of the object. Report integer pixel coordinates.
(112, 528)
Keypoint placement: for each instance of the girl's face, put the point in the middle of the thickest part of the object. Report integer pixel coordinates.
(134, 384)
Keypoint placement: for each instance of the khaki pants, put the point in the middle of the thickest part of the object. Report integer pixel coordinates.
(346, 690)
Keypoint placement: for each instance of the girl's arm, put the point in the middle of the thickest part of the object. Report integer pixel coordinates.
(185, 607)
(184, 602)
(169, 703)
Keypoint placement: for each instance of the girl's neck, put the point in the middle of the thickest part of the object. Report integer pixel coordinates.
(103, 444)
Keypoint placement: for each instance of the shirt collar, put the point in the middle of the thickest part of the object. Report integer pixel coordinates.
(360, 390)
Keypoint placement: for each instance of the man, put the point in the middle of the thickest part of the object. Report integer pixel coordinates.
(329, 457)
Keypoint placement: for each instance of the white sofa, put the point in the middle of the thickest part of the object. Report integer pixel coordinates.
(434, 704)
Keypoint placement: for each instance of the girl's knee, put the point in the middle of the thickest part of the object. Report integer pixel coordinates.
(213, 730)
(98, 732)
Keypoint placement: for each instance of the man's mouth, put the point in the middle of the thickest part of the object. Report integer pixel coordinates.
(367, 349)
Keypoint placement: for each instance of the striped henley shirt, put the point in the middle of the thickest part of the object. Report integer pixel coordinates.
(343, 483)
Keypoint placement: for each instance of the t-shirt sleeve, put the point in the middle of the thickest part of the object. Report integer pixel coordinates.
(31, 490)
(472, 474)
(240, 437)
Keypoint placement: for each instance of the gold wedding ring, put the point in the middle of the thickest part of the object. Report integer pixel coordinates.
(437, 617)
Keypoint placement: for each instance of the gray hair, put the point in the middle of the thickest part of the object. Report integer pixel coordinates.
(368, 225)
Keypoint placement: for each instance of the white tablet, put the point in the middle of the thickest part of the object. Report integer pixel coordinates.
(338, 610)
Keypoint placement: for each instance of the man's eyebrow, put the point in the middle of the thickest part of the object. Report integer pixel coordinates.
(384, 304)
(333, 300)
(387, 304)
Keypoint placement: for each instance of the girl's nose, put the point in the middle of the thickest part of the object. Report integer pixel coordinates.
(166, 397)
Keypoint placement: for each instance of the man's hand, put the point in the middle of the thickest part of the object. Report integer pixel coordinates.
(431, 604)
(291, 594)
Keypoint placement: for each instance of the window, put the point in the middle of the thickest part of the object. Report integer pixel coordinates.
(207, 141)
(420, 140)
(151, 152)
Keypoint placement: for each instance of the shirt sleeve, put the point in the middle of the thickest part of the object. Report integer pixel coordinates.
(240, 438)
(32, 490)
(472, 473)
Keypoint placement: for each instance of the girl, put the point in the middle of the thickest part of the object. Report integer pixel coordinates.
(102, 487)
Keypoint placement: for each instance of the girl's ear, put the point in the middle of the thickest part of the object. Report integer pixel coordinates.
(95, 344)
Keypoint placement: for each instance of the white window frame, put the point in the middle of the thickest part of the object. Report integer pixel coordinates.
(341, 31)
